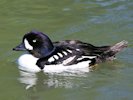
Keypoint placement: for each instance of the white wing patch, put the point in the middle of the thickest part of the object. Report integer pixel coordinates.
(56, 57)
(60, 55)
(64, 52)
(90, 57)
(27, 45)
(51, 59)
(70, 51)
(68, 60)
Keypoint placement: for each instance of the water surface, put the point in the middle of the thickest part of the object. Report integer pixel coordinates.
(99, 22)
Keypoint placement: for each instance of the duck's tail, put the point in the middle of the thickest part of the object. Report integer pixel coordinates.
(111, 52)
(118, 47)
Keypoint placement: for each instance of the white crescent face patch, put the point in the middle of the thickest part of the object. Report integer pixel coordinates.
(27, 45)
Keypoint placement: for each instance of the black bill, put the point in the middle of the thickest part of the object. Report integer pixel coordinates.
(20, 47)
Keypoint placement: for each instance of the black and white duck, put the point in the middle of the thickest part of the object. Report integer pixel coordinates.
(43, 54)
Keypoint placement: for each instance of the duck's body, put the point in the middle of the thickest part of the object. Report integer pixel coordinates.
(62, 55)
(27, 62)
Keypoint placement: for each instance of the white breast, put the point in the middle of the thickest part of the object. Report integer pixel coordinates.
(27, 62)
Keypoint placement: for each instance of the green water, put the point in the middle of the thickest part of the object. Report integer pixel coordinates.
(99, 22)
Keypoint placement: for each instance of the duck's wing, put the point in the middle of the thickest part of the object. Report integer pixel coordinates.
(66, 53)
(82, 51)
(69, 56)
(74, 51)
(84, 48)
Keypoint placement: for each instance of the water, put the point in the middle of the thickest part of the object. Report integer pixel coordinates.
(99, 22)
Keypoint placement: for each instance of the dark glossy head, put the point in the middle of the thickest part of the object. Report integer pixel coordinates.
(36, 43)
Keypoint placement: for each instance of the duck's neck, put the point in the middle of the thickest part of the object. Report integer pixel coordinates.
(42, 52)
(48, 51)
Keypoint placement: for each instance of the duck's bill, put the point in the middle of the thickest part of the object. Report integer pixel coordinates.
(20, 47)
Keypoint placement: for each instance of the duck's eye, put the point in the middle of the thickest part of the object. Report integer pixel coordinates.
(34, 41)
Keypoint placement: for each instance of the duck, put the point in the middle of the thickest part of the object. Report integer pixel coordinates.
(43, 54)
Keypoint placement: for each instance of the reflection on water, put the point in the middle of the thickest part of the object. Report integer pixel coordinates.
(27, 78)
(64, 79)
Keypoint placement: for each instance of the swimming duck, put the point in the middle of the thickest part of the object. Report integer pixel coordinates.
(43, 54)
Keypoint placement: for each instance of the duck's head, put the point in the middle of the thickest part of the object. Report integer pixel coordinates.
(36, 43)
